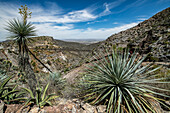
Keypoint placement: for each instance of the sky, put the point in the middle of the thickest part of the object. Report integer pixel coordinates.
(80, 19)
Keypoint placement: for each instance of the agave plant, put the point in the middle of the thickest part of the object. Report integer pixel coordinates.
(57, 80)
(41, 99)
(118, 80)
(57, 83)
(9, 94)
(2, 77)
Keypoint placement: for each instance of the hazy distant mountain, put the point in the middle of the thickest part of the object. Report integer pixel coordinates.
(84, 41)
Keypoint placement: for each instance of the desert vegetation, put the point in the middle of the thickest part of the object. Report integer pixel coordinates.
(115, 77)
(119, 81)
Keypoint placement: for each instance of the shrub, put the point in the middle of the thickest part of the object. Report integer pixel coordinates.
(57, 82)
(119, 81)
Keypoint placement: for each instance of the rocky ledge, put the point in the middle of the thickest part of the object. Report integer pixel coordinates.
(64, 106)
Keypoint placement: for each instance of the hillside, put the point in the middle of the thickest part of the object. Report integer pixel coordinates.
(123, 83)
(150, 36)
(55, 54)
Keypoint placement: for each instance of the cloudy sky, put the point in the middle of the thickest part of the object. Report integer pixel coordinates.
(80, 19)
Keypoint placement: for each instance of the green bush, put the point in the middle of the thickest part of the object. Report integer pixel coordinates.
(57, 82)
(120, 82)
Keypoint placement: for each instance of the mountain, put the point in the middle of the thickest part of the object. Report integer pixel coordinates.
(151, 37)
(57, 55)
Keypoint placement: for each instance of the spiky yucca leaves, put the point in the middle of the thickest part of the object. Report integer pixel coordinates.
(20, 30)
(119, 81)
(8, 93)
(4, 89)
(2, 77)
(41, 99)
(57, 83)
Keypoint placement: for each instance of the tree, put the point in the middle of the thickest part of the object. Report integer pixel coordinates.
(21, 30)
(26, 13)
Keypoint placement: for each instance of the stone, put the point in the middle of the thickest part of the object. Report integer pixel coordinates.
(88, 108)
(43, 111)
(35, 110)
(73, 110)
(101, 108)
(2, 105)
(13, 108)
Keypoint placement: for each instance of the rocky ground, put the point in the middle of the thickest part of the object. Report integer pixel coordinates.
(63, 106)
(150, 37)
(58, 56)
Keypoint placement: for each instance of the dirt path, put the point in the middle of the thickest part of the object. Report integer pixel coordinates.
(71, 76)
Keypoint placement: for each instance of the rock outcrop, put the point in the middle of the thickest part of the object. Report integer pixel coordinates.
(57, 55)
(150, 36)
(63, 106)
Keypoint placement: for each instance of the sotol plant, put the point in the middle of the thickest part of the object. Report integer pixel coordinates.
(57, 80)
(57, 83)
(119, 81)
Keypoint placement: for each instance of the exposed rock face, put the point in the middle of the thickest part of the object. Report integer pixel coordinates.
(57, 55)
(66, 106)
(63, 106)
(151, 36)
(2, 105)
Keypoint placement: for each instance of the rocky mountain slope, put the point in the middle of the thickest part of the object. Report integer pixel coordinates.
(55, 54)
(150, 36)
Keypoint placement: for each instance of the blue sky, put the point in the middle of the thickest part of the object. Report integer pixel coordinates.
(81, 19)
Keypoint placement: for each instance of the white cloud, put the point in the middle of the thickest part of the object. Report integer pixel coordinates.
(70, 17)
(109, 6)
(142, 19)
(92, 22)
(89, 33)
(76, 16)
(47, 22)
(115, 23)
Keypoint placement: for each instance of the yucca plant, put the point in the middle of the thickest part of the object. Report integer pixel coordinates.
(8, 93)
(118, 80)
(17, 96)
(2, 77)
(41, 99)
(20, 31)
